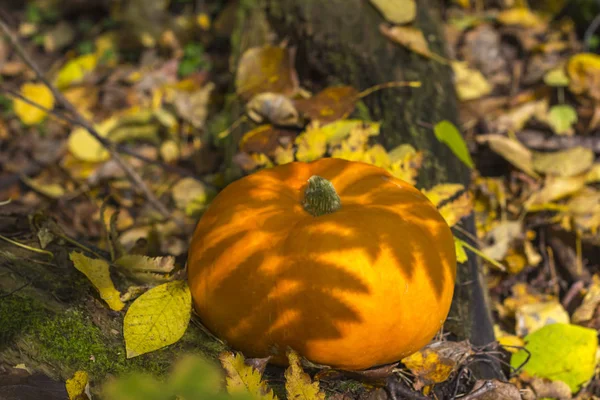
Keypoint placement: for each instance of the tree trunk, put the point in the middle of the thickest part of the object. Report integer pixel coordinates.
(339, 42)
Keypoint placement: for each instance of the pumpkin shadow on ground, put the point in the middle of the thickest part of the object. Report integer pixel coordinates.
(271, 270)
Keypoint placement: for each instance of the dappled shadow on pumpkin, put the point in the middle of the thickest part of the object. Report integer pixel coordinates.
(271, 270)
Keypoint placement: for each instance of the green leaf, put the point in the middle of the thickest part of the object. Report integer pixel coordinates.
(447, 133)
(561, 118)
(157, 318)
(560, 352)
(461, 254)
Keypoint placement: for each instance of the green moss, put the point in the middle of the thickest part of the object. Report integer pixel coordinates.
(69, 341)
(18, 315)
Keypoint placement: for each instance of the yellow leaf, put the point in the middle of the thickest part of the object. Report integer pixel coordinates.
(531, 317)
(83, 146)
(556, 188)
(508, 341)
(266, 69)
(470, 84)
(435, 362)
(311, 145)
(442, 192)
(75, 70)
(397, 11)
(52, 190)
(405, 163)
(565, 163)
(98, 273)
(157, 318)
(39, 94)
(283, 156)
(583, 71)
(298, 384)
(169, 151)
(77, 386)
(203, 21)
(411, 38)
(244, 379)
(512, 150)
(520, 16)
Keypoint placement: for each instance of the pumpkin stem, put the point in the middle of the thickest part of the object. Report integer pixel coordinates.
(320, 197)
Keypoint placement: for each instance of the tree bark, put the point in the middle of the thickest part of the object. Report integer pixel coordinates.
(339, 42)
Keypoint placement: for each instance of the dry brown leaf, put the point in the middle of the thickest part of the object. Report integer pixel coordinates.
(512, 150)
(273, 108)
(496, 390)
(329, 105)
(587, 309)
(515, 119)
(266, 69)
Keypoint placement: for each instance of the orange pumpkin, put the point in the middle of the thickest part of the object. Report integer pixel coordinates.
(335, 259)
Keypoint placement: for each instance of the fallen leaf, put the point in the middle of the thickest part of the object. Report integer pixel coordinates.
(272, 108)
(405, 162)
(75, 70)
(547, 389)
(83, 146)
(193, 107)
(244, 379)
(97, 271)
(191, 195)
(52, 190)
(396, 11)
(564, 163)
(583, 71)
(146, 269)
(556, 188)
(520, 16)
(461, 254)
(169, 151)
(266, 69)
(39, 94)
(556, 77)
(501, 237)
(585, 312)
(265, 139)
(78, 386)
(447, 133)
(435, 362)
(509, 342)
(515, 119)
(330, 104)
(470, 84)
(60, 36)
(412, 39)
(531, 317)
(157, 318)
(562, 118)
(562, 352)
(298, 384)
(511, 150)
(495, 390)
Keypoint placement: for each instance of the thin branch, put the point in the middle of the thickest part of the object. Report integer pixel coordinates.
(79, 120)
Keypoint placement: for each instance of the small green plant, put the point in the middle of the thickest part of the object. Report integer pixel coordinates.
(193, 59)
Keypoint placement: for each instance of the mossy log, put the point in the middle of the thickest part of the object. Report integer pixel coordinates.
(53, 321)
(339, 42)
